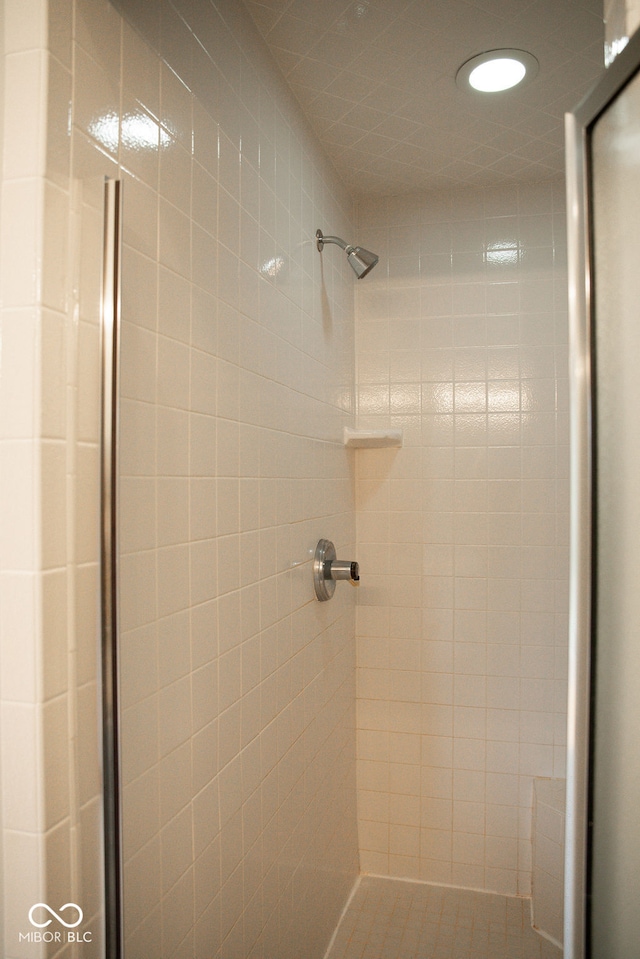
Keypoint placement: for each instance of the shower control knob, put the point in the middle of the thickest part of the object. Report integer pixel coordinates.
(343, 569)
(327, 570)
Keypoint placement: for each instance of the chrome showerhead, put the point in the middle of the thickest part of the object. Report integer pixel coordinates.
(360, 260)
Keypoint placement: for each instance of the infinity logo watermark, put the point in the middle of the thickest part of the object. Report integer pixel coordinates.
(55, 935)
(67, 905)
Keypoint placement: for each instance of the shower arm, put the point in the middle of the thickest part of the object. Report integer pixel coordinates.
(322, 239)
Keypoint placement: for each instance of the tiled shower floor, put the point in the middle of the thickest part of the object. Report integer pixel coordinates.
(394, 919)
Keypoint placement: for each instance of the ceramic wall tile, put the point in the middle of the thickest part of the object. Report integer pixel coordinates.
(20, 269)
(24, 142)
(23, 805)
(489, 383)
(18, 385)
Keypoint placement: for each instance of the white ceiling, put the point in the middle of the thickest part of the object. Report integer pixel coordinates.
(376, 79)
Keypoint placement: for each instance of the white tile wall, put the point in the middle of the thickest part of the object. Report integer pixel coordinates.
(462, 534)
(547, 899)
(50, 715)
(26, 596)
(238, 721)
(237, 379)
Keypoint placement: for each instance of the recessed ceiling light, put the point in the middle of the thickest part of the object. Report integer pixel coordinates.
(497, 70)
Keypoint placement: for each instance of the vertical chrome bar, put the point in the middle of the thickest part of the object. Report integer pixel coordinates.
(110, 348)
(581, 539)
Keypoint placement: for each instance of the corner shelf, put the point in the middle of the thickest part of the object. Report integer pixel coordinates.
(372, 439)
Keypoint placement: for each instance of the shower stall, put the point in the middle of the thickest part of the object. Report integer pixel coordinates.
(269, 755)
(272, 747)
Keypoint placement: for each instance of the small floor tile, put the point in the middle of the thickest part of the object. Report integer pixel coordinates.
(396, 919)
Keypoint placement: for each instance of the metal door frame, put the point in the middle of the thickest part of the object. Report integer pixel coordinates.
(110, 360)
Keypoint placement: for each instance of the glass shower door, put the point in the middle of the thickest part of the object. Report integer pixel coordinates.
(603, 862)
(615, 852)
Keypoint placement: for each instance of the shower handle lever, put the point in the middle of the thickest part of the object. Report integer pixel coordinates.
(327, 570)
(342, 569)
